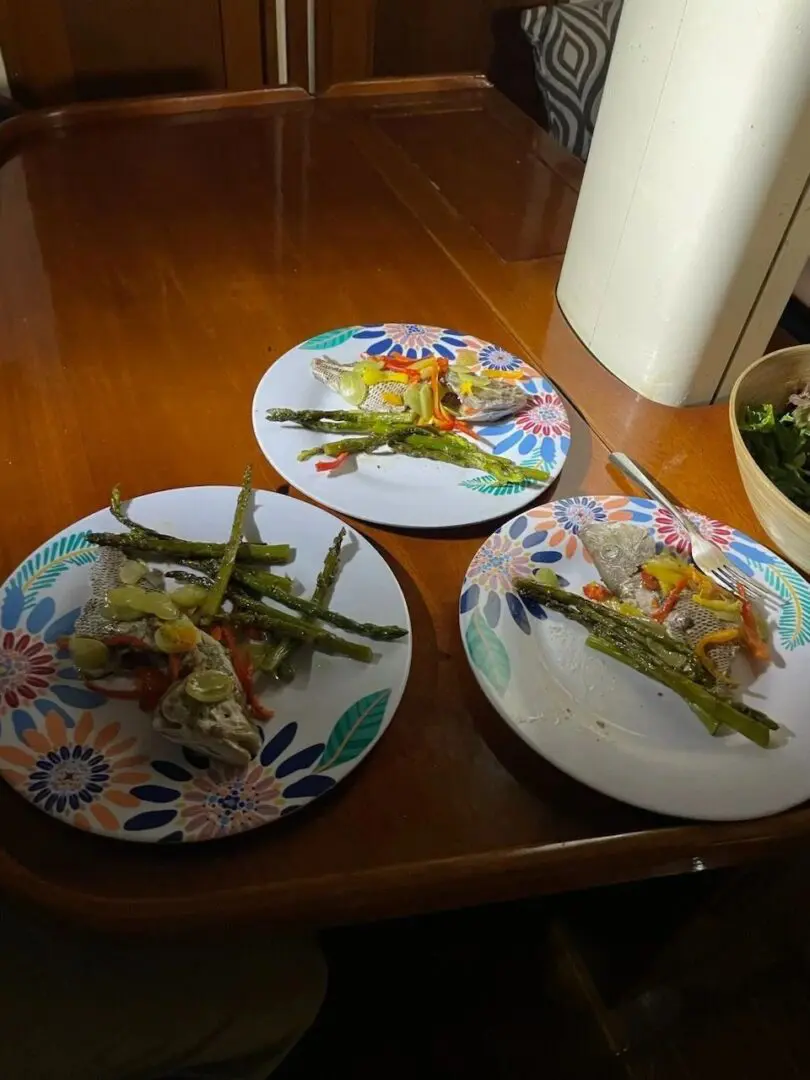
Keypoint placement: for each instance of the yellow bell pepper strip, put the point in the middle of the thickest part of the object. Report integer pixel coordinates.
(391, 399)
(491, 374)
(751, 637)
(670, 600)
(728, 607)
(716, 637)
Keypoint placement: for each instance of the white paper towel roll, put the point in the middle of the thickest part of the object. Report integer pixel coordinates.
(699, 162)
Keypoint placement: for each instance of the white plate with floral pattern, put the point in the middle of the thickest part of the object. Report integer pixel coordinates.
(390, 489)
(606, 725)
(97, 764)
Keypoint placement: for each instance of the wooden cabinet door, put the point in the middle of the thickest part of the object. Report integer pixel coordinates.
(59, 51)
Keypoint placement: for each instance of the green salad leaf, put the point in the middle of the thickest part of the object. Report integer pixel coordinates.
(758, 418)
(780, 445)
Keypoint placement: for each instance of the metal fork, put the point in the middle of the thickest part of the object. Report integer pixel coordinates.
(707, 556)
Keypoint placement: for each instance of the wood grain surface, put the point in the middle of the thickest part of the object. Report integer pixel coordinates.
(151, 267)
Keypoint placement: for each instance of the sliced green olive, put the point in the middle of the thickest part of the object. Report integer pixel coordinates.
(161, 605)
(188, 596)
(209, 686)
(411, 399)
(89, 654)
(132, 571)
(352, 387)
(179, 636)
(425, 404)
(127, 597)
(128, 601)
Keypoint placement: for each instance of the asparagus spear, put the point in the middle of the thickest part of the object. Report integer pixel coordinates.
(119, 514)
(457, 450)
(343, 421)
(302, 630)
(216, 594)
(324, 614)
(406, 438)
(640, 646)
(278, 654)
(172, 548)
(713, 710)
(365, 445)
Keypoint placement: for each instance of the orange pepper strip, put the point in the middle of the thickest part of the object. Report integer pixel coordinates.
(467, 429)
(717, 637)
(751, 637)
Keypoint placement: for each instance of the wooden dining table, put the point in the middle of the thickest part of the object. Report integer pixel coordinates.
(155, 257)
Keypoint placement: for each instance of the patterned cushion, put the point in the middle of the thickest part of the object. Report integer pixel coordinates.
(572, 44)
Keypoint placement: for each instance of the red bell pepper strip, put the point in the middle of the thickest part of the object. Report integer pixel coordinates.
(243, 666)
(597, 592)
(332, 463)
(670, 600)
(152, 685)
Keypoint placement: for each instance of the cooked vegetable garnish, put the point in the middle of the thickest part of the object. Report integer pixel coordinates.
(209, 685)
(303, 630)
(456, 450)
(650, 650)
(213, 600)
(318, 611)
(424, 429)
(327, 577)
(168, 546)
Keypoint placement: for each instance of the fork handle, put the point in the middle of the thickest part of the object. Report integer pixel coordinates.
(627, 466)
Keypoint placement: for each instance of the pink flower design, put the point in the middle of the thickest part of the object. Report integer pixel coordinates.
(225, 800)
(498, 562)
(26, 669)
(675, 537)
(544, 416)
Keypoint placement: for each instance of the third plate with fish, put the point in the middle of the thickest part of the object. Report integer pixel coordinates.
(392, 375)
(575, 693)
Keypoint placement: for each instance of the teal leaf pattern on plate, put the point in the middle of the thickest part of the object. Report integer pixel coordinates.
(355, 730)
(330, 340)
(488, 653)
(488, 485)
(794, 618)
(41, 570)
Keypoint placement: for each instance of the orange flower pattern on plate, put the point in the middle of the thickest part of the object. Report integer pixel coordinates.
(565, 518)
(77, 773)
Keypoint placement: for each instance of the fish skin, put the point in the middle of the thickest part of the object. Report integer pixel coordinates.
(619, 549)
(329, 372)
(92, 623)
